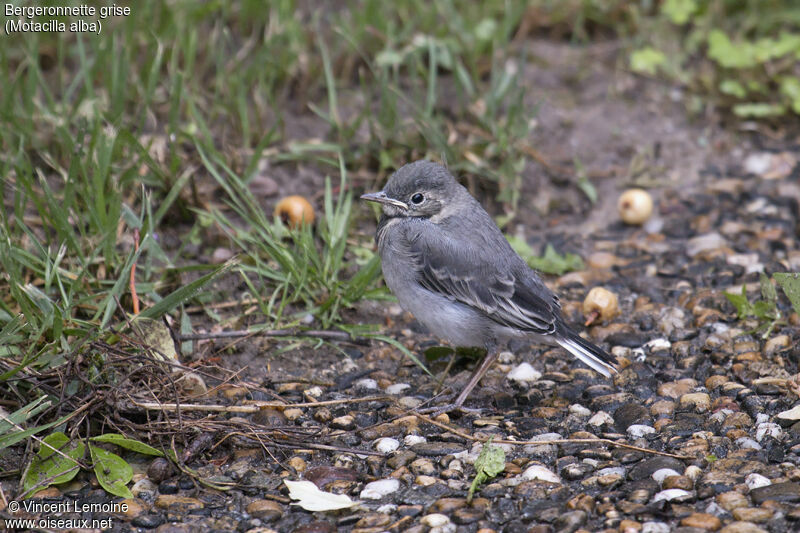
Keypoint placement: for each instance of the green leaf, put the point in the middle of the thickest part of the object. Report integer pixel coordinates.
(112, 471)
(186, 292)
(588, 188)
(733, 88)
(50, 467)
(740, 302)
(490, 462)
(768, 291)
(790, 283)
(790, 88)
(553, 263)
(128, 444)
(647, 60)
(679, 11)
(728, 54)
(758, 110)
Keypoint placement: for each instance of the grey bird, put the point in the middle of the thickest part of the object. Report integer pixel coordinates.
(449, 265)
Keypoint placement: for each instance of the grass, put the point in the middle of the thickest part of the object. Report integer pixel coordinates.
(138, 146)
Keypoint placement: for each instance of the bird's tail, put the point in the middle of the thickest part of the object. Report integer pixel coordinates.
(593, 356)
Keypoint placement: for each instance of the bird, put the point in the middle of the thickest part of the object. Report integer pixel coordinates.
(448, 264)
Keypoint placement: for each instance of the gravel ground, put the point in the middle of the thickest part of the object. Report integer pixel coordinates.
(700, 431)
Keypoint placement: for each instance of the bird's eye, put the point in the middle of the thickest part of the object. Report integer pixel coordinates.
(417, 198)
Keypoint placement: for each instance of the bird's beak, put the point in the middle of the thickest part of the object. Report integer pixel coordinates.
(381, 198)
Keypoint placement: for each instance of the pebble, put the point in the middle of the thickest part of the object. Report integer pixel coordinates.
(435, 449)
(640, 430)
(144, 489)
(600, 418)
(742, 527)
(265, 509)
(789, 416)
(345, 422)
(768, 429)
(423, 466)
(366, 384)
(434, 520)
(570, 521)
(731, 500)
(178, 504)
(579, 410)
(705, 243)
(409, 402)
(411, 440)
(656, 527)
(541, 473)
(663, 473)
(786, 492)
(378, 489)
(397, 388)
(752, 514)
(755, 481)
(776, 344)
(387, 445)
(747, 443)
(672, 494)
(700, 401)
(524, 373)
(704, 521)
(676, 389)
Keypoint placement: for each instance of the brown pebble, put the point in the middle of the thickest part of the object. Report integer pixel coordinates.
(662, 408)
(752, 514)
(732, 500)
(448, 505)
(323, 414)
(716, 381)
(133, 507)
(700, 401)
(264, 509)
(678, 482)
(676, 389)
(374, 520)
(583, 502)
(629, 526)
(423, 466)
(742, 527)
(706, 521)
(178, 504)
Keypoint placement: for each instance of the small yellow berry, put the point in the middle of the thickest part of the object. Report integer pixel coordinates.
(635, 206)
(295, 210)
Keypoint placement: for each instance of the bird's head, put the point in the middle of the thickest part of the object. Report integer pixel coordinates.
(418, 189)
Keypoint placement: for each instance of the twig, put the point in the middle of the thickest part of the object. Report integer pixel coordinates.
(253, 407)
(547, 442)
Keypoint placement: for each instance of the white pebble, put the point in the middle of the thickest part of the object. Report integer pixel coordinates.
(524, 373)
(663, 473)
(670, 494)
(618, 470)
(434, 520)
(640, 430)
(659, 344)
(387, 445)
(505, 358)
(600, 418)
(410, 440)
(378, 489)
(579, 410)
(314, 392)
(308, 318)
(387, 508)
(397, 388)
(790, 414)
(747, 443)
(692, 472)
(768, 429)
(754, 481)
(541, 473)
(655, 527)
(367, 384)
(409, 402)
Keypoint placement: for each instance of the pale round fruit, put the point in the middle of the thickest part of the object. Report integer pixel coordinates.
(602, 303)
(295, 210)
(635, 206)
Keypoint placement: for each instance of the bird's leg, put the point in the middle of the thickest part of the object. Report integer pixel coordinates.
(477, 374)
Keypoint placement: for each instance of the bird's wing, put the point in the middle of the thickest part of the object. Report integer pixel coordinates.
(472, 275)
